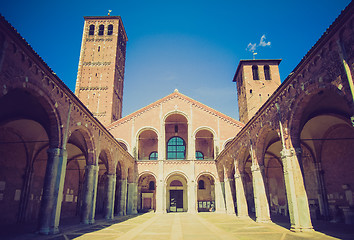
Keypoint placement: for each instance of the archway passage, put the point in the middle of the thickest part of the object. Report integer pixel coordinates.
(206, 193)
(176, 194)
(147, 143)
(176, 137)
(204, 144)
(146, 193)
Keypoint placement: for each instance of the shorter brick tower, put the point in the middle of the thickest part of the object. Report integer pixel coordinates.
(100, 76)
(256, 81)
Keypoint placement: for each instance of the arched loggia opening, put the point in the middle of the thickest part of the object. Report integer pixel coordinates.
(176, 193)
(148, 143)
(176, 137)
(28, 127)
(204, 143)
(146, 193)
(206, 193)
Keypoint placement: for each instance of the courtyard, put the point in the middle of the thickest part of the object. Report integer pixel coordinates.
(188, 226)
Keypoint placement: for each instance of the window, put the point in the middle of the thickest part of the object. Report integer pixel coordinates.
(199, 155)
(153, 156)
(110, 29)
(92, 30)
(255, 72)
(201, 184)
(100, 30)
(266, 72)
(176, 148)
(151, 185)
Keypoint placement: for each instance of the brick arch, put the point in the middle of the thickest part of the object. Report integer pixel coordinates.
(206, 173)
(262, 143)
(173, 172)
(296, 121)
(205, 128)
(89, 141)
(53, 128)
(178, 112)
(107, 155)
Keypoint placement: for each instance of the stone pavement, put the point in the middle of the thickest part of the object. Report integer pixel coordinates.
(176, 226)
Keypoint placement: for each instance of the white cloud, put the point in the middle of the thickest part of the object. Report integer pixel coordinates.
(251, 47)
(262, 43)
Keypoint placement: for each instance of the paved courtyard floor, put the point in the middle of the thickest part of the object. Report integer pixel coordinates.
(176, 226)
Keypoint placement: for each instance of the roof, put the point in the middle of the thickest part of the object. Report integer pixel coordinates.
(277, 61)
(175, 94)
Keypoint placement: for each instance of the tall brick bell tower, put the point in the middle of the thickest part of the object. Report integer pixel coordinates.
(100, 76)
(256, 81)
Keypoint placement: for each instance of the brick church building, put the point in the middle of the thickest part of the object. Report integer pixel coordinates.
(66, 155)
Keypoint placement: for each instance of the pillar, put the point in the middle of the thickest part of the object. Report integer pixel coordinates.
(53, 191)
(219, 198)
(109, 211)
(295, 191)
(88, 192)
(94, 195)
(241, 201)
(123, 197)
(160, 190)
(260, 196)
(132, 196)
(192, 203)
(230, 208)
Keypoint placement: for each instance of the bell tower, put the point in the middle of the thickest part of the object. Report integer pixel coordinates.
(256, 81)
(100, 76)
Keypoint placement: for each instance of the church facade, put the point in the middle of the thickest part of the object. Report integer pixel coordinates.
(66, 155)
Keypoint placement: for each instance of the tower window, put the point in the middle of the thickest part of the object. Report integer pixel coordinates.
(255, 72)
(99, 48)
(199, 155)
(153, 156)
(92, 30)
(176, 148)
(266, 72)
(201, 184)
(101, 30)
(151, 185)
(110, 29)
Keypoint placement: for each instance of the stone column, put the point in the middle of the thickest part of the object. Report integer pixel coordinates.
(295, 191)
(160, 190)
(219, 198)
(135, 198)
(94, 196)
(131, 206)
(260, 196)
(109, 211)
(53, 191)
(241, 201)
(230, 208)
(123, 197)
(88, 194)
(192, 197)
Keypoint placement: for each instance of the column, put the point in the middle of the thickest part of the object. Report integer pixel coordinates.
(53, 191)
(295, 191)
(131, 209)
(123, 197)
(94, 195)
(160, 190)
(260, 196)
(192, 197)
(219, 198)
(241, 201)
(230, 208)
(135, 198)
(109, 211)
(88, 193)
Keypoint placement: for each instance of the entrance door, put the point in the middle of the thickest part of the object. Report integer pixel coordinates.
(147, 203)
(176, 200)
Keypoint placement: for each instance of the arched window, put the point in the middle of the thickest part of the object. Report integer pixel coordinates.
(201, 184)
(151, 185)
(153, 156)
(255, 72)
(266, 72)
(110, 29)
(199, 155)
(92, 30)
(101, 30)
(176, 148)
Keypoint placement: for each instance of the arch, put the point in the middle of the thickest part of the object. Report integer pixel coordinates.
(174, 172)
(176, 196)
(147, 140)
(227, 142)
(91, 30)
(204, 142)
(205, 192)
(147, 191)
(178, 112)
(82, 138)
(124, 144)
(176, 148)
(204, 128)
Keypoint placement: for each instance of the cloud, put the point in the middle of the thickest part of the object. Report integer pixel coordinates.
(262, 43)
(251, 47)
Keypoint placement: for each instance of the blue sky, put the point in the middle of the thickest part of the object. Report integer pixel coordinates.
(194, 46)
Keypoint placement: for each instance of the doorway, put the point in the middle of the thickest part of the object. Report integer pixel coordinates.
(176, 200)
